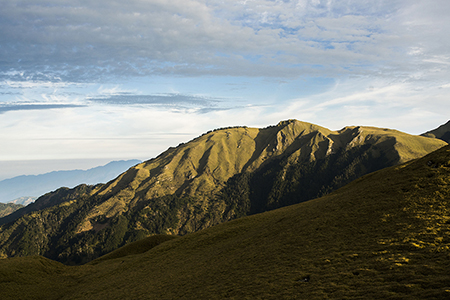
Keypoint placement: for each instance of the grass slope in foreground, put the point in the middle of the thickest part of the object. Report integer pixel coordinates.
(384, 236)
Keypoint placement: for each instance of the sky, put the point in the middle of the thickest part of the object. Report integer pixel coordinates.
(84, 82)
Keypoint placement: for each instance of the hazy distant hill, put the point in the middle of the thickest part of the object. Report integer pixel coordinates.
(384, 236)
(8, 208)
(442, 132)
(37, 185)
(23, 200)
(219, 176)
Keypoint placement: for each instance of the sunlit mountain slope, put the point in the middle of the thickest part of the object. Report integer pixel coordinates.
(219, 176)
(384, 236)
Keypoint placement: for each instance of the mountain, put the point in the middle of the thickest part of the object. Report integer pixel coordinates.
(60, 196)
(222, 175)
(23, 200)
(442, 132)
(36, 185)
(6, 209)
(383, 236)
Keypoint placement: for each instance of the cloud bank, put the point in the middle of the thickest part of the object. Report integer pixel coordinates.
(98, 40)
(107, 78)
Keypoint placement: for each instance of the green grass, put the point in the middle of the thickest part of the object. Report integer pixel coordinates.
(384, 236)
(203, 165)
(134, 248)
(221, 175)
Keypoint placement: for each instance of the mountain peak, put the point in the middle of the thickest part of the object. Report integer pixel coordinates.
(224, 174)
(291, 121)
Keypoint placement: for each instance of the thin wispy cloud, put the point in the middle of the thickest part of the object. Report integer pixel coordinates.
(169, 100)
(18, 107)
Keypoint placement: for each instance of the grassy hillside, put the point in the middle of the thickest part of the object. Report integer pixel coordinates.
(384, 236)
(219, 176)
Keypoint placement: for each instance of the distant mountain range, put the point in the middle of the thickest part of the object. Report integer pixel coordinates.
(30, 186)
(222, 175)
(383, 236)
(23, 200)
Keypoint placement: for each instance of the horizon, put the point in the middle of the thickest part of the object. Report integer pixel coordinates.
(88, 83)
(14, 168)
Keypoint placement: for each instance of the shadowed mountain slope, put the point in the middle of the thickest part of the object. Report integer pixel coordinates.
(442, 132)
(62, 195)
(219, 176)
(384, 236)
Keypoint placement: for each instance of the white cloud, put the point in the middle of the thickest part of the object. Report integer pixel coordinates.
(267, 60)
(381, 103)
(79, 40)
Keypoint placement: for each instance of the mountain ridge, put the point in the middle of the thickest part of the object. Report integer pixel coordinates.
(442, 132)
(384, 236)
(221, 175)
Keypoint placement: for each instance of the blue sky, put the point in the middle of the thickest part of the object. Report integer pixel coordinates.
(92, 81)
